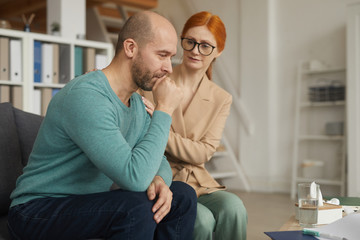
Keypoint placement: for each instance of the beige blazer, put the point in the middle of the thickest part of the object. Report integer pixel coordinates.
(196, 134)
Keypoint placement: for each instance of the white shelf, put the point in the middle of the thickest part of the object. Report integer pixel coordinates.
(49, 85)
(5, 82)
(321, 138)
(321, 181)
(310, 121)
(27, 39)
(324, 71)
(323, 104)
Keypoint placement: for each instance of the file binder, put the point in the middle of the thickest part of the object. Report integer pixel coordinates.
(89, 59)
(55, 63)
(4, 58)
(47, 62)
(15, 60)
(78, 61)
(16, 96)
(37, 61)
(4, 93)
(64, 60)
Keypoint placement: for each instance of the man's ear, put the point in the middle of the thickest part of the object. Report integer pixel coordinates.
(130, 47)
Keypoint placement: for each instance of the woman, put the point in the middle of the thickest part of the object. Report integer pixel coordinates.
(197, 127)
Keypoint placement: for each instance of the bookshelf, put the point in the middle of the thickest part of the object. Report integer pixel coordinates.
(57, 60)
(320, 130)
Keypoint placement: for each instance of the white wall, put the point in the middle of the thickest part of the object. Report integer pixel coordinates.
(266, 39)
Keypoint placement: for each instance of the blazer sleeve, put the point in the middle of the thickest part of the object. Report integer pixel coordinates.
(200, 151)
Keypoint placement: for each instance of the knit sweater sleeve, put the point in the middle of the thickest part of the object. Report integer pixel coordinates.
(91, 121)
(164, 170)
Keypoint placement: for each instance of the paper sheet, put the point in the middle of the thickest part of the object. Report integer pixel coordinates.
(347, 227)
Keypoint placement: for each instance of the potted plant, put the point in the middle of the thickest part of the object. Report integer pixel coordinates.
(55, 28)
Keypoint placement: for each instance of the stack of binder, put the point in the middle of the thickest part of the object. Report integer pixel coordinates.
(11, 71)
(51, 63)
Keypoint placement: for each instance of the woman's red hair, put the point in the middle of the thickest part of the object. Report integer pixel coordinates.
(215, 26)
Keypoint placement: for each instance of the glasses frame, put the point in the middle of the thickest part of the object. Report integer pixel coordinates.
(198, 45)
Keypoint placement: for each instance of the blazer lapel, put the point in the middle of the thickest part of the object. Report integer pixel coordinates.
(198, 106)
(178, 123)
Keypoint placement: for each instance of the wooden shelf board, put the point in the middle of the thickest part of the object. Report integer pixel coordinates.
(320, 181)
(324, 71)
(323, 104)
(321, 138)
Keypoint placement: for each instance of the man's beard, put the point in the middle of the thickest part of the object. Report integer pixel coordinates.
(142, 76)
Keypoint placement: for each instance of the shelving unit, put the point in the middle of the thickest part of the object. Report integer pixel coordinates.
(27, 60)
(312, 141)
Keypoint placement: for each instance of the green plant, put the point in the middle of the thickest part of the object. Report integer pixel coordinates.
(55, 27)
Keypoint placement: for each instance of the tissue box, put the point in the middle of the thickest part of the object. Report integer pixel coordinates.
(327, 213)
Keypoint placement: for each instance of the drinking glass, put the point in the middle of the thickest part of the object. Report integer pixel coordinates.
(308, 200)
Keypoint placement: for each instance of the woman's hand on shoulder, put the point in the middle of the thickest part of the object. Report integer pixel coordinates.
(148, 106)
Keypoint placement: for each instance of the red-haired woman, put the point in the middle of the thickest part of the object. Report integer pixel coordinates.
(197, 127)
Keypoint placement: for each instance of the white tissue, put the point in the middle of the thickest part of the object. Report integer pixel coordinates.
(313, 193)
(320, 198)
(334, 201)
(313, 190)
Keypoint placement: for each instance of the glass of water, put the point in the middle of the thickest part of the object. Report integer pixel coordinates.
(308, 200)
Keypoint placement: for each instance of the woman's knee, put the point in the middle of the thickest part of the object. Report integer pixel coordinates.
(204, 224)
(205, 218)
(231, 206)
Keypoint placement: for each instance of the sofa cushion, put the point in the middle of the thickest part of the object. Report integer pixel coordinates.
(4, 234)
(10, 155)
(27, 125)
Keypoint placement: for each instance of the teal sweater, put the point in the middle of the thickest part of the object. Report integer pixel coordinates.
(90, 139)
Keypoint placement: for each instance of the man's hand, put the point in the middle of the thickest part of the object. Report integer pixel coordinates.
(159, 189)
(167, 95)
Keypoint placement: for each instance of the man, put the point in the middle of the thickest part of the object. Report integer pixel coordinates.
(97, 132)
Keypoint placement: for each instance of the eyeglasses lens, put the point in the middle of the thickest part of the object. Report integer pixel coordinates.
(204, 48)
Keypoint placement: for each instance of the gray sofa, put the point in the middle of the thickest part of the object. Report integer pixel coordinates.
(18, 130)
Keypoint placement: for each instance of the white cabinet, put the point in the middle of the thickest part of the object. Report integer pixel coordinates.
(320, 130)
(63, 61)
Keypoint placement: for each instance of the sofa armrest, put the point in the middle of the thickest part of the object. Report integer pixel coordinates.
(10, 155)
(27, 125)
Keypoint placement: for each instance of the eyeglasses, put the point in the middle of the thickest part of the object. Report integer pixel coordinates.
(204, 48)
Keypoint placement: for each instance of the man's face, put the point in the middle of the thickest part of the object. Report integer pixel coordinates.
(142, 75)
(153, 61)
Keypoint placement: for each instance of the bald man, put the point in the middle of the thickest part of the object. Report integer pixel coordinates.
(96, 132)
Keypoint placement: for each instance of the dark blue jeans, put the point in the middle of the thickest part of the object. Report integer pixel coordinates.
(115, 214)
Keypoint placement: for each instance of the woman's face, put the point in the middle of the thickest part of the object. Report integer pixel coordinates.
(193, 58)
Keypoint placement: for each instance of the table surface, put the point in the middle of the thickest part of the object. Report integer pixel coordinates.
(291, 225)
